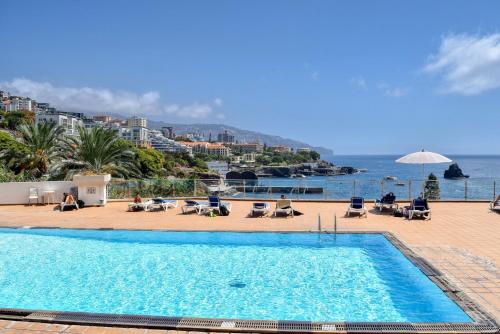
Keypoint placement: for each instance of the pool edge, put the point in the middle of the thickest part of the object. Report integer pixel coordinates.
(482, 321)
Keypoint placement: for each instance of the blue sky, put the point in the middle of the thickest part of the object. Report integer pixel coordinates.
(354, 76)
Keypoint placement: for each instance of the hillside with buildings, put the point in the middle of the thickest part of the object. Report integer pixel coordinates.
(240, 135)
(210, 141)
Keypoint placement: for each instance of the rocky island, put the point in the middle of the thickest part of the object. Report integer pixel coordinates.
(454, 172)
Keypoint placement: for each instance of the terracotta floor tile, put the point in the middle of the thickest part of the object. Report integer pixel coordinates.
(76, 329)
(462, 239)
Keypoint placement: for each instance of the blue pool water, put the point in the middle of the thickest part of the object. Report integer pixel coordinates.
(296, 276)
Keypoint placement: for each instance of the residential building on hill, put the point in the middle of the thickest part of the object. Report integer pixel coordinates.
(164, 144)
(43, 107)
(204, 147)
(137, 121)
(168, 132)
(247, 148)
(102, 118)
(194, 136)
(17, 103)
(280, 149)
(225, 137)
(137, 135)
(69, 121)
(245, 158)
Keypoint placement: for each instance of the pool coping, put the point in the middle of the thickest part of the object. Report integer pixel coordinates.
(482, 321)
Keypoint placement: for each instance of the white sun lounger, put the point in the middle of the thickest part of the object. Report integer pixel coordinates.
(495, 205)
(357, 205)
(194, 206)
(164, 204)
(259, 209)
(140, 206)
(68, 205)
(418, 208)
(283, 207)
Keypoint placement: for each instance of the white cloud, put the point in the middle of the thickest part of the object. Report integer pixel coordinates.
(358, 81)
(392, 91)
(218, 102)
(468, 64)
(97, 100)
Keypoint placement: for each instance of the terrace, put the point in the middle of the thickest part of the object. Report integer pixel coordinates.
(462, 240)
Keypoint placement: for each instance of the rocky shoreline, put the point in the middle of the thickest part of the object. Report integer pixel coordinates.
(322, 168)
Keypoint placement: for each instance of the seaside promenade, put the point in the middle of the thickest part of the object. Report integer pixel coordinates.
(462, 240)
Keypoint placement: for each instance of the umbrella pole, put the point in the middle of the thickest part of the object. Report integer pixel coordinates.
(423, 180)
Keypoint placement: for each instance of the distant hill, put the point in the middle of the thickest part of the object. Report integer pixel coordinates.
(240, 135)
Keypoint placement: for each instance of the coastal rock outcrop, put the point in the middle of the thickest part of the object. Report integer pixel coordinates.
(347, 170)
(454, 172)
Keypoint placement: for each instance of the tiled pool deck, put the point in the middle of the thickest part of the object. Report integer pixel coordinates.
(462, 240)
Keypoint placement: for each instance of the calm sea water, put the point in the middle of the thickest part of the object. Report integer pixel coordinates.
(483, 171)
(296, 276)
(379, 166)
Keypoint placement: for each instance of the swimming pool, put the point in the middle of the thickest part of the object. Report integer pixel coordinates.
(288, 276)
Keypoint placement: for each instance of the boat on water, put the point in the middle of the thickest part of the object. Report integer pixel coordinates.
(218, 187)
(399, 184)
(390, 178)
(297, 176)
(362, 170)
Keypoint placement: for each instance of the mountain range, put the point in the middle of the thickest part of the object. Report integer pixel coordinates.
(239, 134)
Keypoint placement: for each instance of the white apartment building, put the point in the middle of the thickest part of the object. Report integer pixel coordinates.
(16, 103)
(163, 144)
(246, 157)
(138, 135)
(67, 121)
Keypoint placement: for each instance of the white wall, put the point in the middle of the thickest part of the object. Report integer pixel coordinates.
(17, 192)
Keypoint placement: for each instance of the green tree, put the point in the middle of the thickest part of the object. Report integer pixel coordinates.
(431, 187)
(97, 151)
(13, 119)
(40, 147)
(150, 162)
(314, 155)
(10, 152)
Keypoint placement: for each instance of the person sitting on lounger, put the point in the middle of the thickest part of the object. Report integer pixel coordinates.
(69, 199)
(137, 199)
(68, 202)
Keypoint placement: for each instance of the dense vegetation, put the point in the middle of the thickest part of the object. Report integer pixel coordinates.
(43, 151)
(269, 157)
(13, 119)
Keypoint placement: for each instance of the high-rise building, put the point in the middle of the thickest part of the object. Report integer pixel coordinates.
(138, 135)
(168, 132)
(225, 137)
(137, 121)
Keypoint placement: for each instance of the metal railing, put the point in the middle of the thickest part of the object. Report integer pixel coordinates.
(327, 188)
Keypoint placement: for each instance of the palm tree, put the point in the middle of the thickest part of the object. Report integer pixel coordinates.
(40, 147)
(96, 151)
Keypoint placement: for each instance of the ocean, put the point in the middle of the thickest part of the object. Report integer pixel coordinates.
(379, 166)
(484, 181)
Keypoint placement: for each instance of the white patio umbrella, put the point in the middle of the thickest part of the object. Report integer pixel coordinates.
(423, 157)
